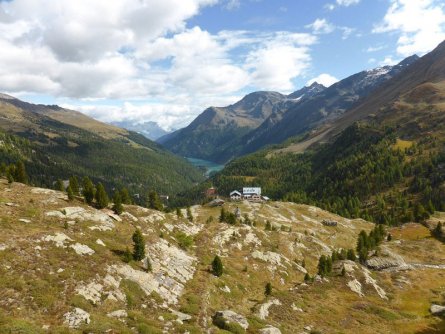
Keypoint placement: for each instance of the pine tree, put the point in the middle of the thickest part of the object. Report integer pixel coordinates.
(154, 202)
(189, 214)
(389, 237)
(70, 193)
(268, 289)
(268, 226)
(74, 184)
(438, 230)
(138, 245)
(117, 203)
(179, 213)
(307, 277)
(127, 256)
(88, 190)
(222, 216)
(101, 196)
(59, 185)
(217, 266)
(125, 196)
(20, 173)
(351, 255)
(9, 176)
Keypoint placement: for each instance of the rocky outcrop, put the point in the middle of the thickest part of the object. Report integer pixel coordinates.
(81, 214)
(82, 249)
(270, 330)
(437, 310)
(356, 287)
(224, 319)
(60, 239)
(171, 269)
(263, 310)
(387, 260)
(76, 318)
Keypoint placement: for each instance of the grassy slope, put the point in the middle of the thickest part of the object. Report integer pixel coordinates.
(36, 293)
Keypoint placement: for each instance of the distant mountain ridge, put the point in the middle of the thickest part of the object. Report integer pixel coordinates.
(264, 118)
(211, 135)
(148, 129)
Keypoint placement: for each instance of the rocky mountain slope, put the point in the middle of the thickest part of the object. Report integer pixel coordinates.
(323, 108)
(62, 270)
(218, 134)
(213, 133)
(57, 143)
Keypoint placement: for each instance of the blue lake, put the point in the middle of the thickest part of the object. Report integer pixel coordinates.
(209, 166)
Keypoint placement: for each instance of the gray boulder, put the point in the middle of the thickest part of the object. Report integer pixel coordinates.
(227, 319)
(437, 309)
(270, 330)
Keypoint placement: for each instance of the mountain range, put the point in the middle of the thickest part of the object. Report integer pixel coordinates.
(264, 118)
(148, 129)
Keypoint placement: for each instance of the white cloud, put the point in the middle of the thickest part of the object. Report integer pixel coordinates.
(233, 4)
(342, 3)
(321, 26)
(375, 48)
(324, 79)
(347, 3)
(420, 25)
(274, 64)
(141, 53)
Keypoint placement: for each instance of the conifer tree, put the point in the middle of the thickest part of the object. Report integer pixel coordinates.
(268, 289)
(154, 202)
(88, 190)
(117, 203)
(189, 214)
(222, 216)
(70, 193)
(179, 213)
(268, 226)
(59, 185)
(138, 245)
(101, 196)
(217, 266)
(307, 277)
(20, 173)
(125, 196)
(74, 184)
(9, 175)
(438, 230)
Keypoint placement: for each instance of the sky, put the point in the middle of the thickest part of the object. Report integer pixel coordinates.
(167, 60)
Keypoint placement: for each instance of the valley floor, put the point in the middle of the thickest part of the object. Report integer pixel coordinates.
(62, 271)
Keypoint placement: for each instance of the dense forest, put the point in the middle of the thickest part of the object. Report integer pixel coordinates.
(365, 172)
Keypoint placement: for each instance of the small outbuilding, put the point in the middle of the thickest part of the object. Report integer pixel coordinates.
(235, 195)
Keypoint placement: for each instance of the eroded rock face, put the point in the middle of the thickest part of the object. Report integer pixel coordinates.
(76, 318)
(226, 317)
(356, 287)
(171, 269)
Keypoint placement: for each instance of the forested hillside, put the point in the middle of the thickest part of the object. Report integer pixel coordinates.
(53, 148)
(366, 172)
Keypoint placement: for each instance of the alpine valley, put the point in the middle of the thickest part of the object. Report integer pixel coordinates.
(326, 218)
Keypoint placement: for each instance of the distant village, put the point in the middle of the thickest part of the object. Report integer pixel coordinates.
(251, 194)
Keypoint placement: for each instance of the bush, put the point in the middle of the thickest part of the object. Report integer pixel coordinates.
(184, 241)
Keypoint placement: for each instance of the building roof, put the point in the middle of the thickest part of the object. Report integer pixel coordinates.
(235, 192)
